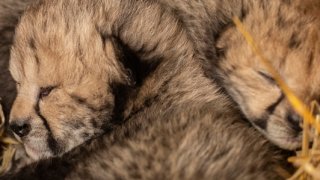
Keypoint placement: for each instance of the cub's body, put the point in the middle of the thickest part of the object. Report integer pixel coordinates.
(127, 90)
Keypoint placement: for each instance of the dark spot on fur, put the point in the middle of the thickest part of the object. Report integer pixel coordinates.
(32, 44)
(294, 42)
(83, 102)
(221, 154)
(52, 143)
(148, 102)
(103, 165)
(209, 54)
(261, 123)
(282, 62)
(221, 53)
(133, 167)
(222, 27)
(244, 13)
(288, 2)
(280, 19)
(37, 61)
(33, 47)
(263, 5)
(76, 125)
(79, 51)
(230, 69)
(85, 135)
(94, 123)
(310, 61)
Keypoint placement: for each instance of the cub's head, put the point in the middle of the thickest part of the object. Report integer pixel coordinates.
(82, 67)
(66, 74)
(289, 39)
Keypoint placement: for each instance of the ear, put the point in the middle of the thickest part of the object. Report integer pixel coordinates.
(136, 69)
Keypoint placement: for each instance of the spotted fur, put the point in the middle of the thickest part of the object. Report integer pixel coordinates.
(288, 34)
(116, 90)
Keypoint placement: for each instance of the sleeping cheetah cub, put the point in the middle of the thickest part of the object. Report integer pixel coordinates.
(290, 38)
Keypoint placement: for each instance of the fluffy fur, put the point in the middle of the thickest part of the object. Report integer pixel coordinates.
(288, 34)
(10, 11)
(127, 78)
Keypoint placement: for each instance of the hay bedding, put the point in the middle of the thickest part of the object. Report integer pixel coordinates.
(308, 159)
(7, 149)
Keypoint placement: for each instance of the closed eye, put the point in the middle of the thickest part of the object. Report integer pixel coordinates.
(45, 91)
(267, 77)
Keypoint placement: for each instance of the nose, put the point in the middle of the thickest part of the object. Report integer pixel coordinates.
(20, 128)
(294, 120)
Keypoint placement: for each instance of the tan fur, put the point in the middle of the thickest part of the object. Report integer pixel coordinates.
(10, 11)
(289, 38)
(116, 90)
(79, 96)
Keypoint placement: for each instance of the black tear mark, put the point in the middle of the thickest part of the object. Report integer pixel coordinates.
(52, 143)
(270, 109)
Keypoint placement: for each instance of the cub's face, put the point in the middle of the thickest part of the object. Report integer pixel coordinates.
(63, 76)
(291, 43)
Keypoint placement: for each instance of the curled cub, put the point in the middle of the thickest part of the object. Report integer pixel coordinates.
(115, 89)
(288, 34)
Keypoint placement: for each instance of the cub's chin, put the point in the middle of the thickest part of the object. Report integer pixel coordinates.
(288, 143)
(37, 152)
(282, 137)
